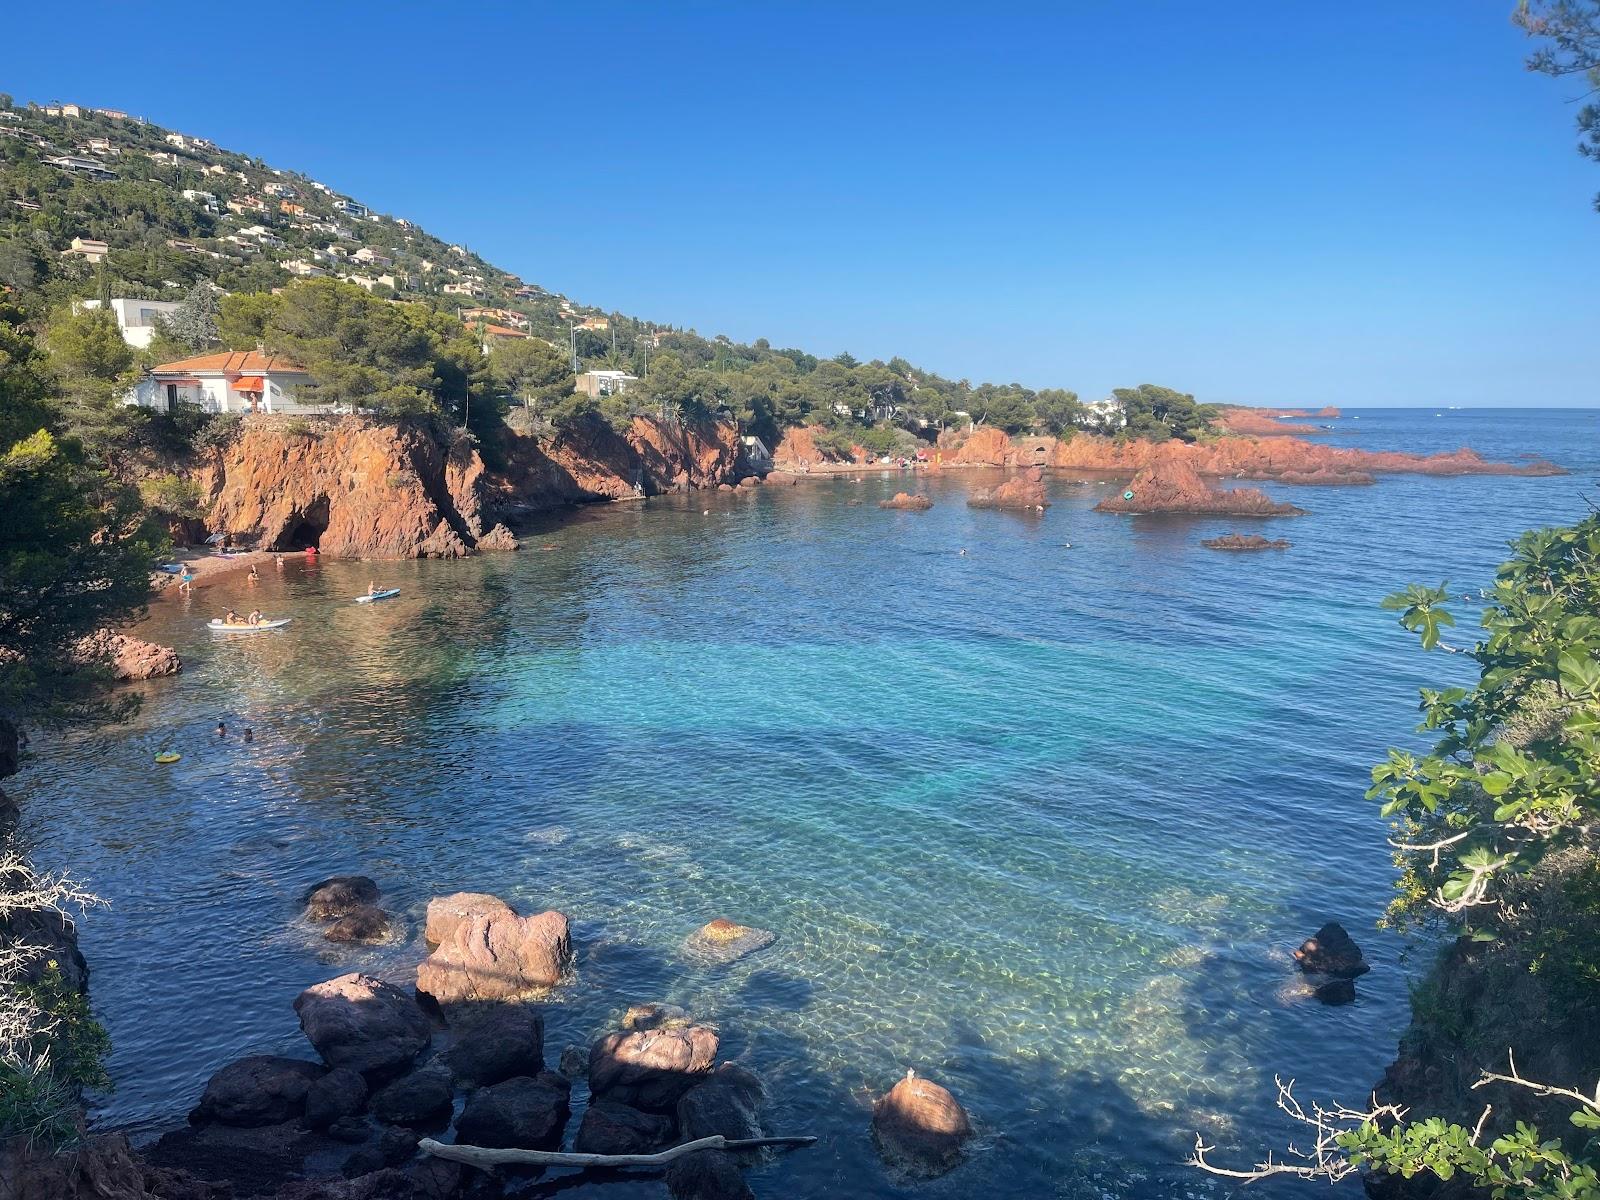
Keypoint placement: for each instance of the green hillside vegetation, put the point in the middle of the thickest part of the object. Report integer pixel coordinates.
(378, 355)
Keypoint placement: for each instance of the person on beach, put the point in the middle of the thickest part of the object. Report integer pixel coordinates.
(278, 559)
(186, 581)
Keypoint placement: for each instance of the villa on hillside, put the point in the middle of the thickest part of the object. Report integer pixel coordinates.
(136, 319)
(595, 384)
(231, 381)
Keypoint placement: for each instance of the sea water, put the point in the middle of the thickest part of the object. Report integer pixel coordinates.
(1042, 820)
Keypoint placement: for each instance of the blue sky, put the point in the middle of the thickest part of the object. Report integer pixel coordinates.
(1363, 203)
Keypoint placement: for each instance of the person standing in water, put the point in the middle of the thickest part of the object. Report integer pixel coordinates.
(222, 730)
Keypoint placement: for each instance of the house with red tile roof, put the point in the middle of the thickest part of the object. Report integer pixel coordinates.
(230, 381)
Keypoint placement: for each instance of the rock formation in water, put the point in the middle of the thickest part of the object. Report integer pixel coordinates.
(1331, 951)
(1245, 542)
(1168, 483)
(907, 502)
(920, 1127)
(1262, 422)
(723, 941)
(1025, 492)
(493, 954)
(127, 658)
(365, 488)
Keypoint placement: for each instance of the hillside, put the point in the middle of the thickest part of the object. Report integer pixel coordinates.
(172, 209)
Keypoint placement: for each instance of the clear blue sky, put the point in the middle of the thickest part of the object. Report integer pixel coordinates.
(1359, 203)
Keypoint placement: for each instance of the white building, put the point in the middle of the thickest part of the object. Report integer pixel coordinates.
(233, 381)
(595, 384)
(80, 165)
(136, 319)
(376, 258)
(298, 266)
(196, 196)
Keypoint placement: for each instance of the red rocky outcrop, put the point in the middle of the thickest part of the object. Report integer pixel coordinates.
(907, 502)
(497, 956)
(1170, 484)
(1025, 491)
(128, 658)
(920, 1127)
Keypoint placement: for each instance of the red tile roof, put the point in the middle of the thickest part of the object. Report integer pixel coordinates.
(230, 362)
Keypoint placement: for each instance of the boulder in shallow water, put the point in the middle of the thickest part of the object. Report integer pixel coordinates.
(498, 538)
(1335, 991)
(498, 957)
(655, 1016)
(420, 1100)
(365, 926)
(907, 502)
(447, 912)
(526, 1112)
(722, 941)
(1331, 951)
(727, 1103)
(338, 1095)
(920, 1127)
(652, 1068)
(340, 896)
(363, 1023)
(612, 1128)
(263, 1089)
(127, 658)
(495, 1042)
(707, 1175)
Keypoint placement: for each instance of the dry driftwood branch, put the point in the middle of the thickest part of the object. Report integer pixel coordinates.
(483, 1156)
(1323, 1159)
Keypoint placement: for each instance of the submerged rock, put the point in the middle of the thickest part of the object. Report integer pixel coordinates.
(498, 957)
(1239, 541)
(263, 1089)
(655, 1016)
(366, 925)
(525, 1112)
(707, 1175)
(363, 1023)
(339, 897)
(1331, 951)
(920, 1127)
(651, 1068)
(722, 941)
(907, 502)
(612, 1128)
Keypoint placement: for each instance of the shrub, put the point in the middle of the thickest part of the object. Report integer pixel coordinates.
(173, 494)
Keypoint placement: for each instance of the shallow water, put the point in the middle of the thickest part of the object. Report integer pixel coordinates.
(1041, 821)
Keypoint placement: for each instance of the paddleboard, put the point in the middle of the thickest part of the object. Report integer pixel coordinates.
(383, 594)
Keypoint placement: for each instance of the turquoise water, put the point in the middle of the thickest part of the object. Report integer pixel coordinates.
(1041, 821)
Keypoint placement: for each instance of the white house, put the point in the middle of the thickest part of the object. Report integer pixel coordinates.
(376, 258)
(281, 190)
(298, 266)
(79, 165)
(595, 384)
(233, 381)
(136, 319)
(350, 208)
(196, 196)
(263, 235)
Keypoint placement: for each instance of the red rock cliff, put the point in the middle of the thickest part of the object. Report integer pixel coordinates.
(362, 488)
(1169, 483)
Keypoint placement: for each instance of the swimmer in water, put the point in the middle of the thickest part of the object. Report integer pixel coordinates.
(248, 736)
(222, 730)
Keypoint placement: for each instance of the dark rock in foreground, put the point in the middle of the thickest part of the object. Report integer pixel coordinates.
(920, 1127)
(261, 1090)
(421, 1100)
(363, 1023)
(727, 1103)
(1331, 951)
(366, 925)
(707, 1175)
(651, 1068)
(612, 1128)
(526, 1113)
(495, 1042)
(339, 1094)
(339, 897)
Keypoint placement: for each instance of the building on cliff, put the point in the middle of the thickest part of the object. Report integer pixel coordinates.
(232, 381)
(595, 384)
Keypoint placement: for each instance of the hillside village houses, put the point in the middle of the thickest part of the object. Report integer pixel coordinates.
(499, 316)
(196, 196)
(595, 384)
(136, 319)
(376, 258)
(91, 249)
(80, 165)
(459, 289)
(185, 142)
(62, 110)
(231, 381)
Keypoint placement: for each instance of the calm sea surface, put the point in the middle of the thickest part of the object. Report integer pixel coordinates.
(1042, 821)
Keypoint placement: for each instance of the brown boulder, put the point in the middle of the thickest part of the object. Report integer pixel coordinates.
(525, 1112)
(907, 502)
(920, 1127)
(260, 1090)
(127, 658)
(655, 1016)
(498, 538)
(612, 1128)
(447, 912)
(1171, 484)
(722, 941)
(498, 957)
(363, 1023)
(1025, 491)
(339, 897)
(651, 1068)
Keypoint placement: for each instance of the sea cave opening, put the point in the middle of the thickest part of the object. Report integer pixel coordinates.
(308, 530)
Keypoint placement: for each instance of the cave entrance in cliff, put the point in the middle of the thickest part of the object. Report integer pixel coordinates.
(308, 530)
